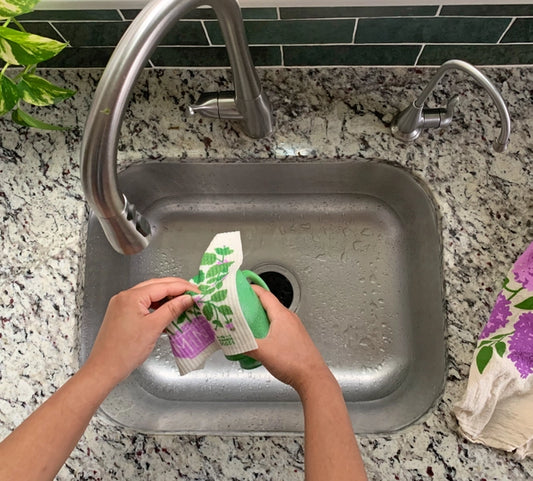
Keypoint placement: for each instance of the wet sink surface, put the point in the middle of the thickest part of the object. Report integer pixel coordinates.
(354, 248)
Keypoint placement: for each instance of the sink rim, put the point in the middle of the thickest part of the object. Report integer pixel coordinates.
(294, 407)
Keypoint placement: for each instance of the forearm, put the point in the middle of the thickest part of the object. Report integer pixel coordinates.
(37, 449)
(331, 450)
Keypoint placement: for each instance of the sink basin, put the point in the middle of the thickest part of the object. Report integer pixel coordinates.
(353, 247)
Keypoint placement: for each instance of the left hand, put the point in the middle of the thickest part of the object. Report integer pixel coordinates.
(130, 329)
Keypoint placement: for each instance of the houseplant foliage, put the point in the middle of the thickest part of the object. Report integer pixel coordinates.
(19, 48)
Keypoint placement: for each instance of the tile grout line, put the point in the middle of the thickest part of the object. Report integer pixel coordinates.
(499, 42)
(419, 55)
(209, 43)
(355, 30)
(437, 13)
(58, 32)
(121, 15)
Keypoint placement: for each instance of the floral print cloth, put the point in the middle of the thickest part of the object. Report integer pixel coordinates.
(497, 408)
(216, 321)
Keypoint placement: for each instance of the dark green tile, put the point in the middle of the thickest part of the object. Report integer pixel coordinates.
(259, 13)
(520, 31)
(185, 33)
(357, 12)
(71, 15)
(130, 14)
(108, 34)
(290, 31)
(328, 55)
(487, 10)
(478, 54)
(247, 13)
(209, 14)
(430, 30)
(43, 29)
(96, 34)
(80, 57)
(211, 56)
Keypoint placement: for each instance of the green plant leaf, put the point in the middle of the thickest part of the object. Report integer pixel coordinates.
(500, 348)
(225, 310)
(8, 94)
(217, 324)
(526, 304)
(219, 296)
(36, 90)
(208, 259)
(483, 357)
(23, 48)
(13, 8)
(22, 118)
(208, 311)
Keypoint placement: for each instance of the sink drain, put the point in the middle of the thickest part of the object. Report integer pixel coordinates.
(282, 283)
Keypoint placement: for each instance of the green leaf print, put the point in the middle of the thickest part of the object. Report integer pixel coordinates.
(208, 259)
(217, 270)
(225, 310)
(208, 311)
(219, 296)
(483, 357)
(526, 304)
(223, 251)
(500, 348)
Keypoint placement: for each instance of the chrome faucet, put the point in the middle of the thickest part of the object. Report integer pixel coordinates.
(127, 230)
(408, 124)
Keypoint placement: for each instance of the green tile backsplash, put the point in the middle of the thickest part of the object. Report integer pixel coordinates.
(317, 36)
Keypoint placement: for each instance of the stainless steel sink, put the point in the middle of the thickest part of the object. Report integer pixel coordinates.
(353, 247)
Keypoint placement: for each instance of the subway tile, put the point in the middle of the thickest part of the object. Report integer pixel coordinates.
(290, 31)
(80, 57)
(129, 14)
(328, 55)
(185, 33)
(430, 30)
(520, 31)
(92, 34)
(44, 29)
(65, 15)
(356, 12)
(108, 34)
(487, 10)
(478, 54)
(211, 56)
(209, 13)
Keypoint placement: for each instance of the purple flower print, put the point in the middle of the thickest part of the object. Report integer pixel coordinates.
(498, 317)
(523, 268)
(521, 345)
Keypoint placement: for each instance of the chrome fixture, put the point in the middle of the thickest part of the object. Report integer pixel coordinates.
(408, 124)
(126, 229)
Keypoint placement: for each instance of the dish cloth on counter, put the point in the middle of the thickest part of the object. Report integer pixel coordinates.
(497, 408)
(216, 321)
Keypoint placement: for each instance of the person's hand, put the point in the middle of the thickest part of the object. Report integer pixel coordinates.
(131, 327)
(288, 352)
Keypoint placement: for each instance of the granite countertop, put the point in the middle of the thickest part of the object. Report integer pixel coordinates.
(485, 201)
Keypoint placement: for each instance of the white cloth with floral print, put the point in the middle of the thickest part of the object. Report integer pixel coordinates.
(216, 321)
(497, 408)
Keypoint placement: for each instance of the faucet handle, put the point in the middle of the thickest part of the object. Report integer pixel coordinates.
(216, 105)
(441, 117)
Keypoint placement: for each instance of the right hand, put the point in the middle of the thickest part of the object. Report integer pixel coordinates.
(288, 351)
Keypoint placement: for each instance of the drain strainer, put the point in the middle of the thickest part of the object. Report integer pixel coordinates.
(282, 283)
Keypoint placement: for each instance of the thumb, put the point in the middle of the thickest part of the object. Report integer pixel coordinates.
(171, 310)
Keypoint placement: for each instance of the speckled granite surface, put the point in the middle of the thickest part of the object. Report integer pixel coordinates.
(485, 200)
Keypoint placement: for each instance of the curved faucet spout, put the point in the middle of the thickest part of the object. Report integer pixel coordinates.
(408, 124)
(126, 229)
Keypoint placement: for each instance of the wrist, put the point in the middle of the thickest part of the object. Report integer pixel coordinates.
(318, 381)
